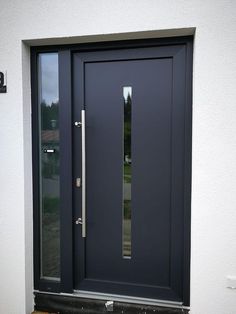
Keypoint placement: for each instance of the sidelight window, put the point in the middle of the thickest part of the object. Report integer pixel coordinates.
(49, 159)
(127, 172)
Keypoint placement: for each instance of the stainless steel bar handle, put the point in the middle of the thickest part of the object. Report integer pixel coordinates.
(83, 180)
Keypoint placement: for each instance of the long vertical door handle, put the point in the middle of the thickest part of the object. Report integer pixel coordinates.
(83, 159)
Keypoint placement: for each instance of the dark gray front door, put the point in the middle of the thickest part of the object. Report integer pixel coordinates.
(135, 110)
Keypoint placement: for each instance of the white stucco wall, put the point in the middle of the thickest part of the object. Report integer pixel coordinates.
(214, 129)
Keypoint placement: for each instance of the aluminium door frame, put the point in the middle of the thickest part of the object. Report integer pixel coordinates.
(66, 123)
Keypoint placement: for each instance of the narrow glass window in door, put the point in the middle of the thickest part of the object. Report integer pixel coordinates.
(48, 103)
(127, 94)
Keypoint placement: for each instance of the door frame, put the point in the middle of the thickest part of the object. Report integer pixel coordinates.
(66, 156)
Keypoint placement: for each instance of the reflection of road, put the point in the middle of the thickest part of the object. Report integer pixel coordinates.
(127, 191)
(50, 187)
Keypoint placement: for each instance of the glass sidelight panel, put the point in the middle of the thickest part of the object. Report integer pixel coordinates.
(127, 94)
(48, 102)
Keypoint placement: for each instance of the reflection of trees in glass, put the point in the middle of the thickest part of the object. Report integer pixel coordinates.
(127, 129)
(50, 139)
(49, 116)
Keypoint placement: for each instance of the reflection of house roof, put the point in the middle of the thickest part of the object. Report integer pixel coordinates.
(48, 136)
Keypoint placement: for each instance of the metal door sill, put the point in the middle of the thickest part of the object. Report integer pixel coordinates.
(119, 298)
(128, 299)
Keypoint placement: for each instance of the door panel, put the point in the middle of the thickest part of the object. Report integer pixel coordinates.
(157, 78)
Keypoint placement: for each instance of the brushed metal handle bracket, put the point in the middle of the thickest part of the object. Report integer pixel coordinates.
(79, 221)
(78, 124)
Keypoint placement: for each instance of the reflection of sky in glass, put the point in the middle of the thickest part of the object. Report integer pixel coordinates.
(127, 90)
(48, 64)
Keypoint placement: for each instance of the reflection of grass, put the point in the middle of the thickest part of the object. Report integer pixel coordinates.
(50, 204)
(51, 245)
(127, 209)
(127, 169)
(127, 173)
(50, 168)
(127, 214)
(127, 237)
(127, 179)
(51, 237)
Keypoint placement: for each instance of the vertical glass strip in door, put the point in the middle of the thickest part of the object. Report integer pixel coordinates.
(48, 112)
(127, 172)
